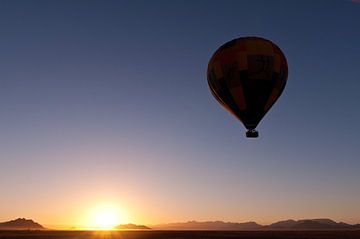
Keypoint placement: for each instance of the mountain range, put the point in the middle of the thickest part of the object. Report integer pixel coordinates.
(210, 225)
(306, 224)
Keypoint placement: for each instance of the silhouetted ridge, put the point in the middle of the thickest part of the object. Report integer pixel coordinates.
(21, 224)
(210, 225)
(306, 224)
(309, 224)
(282, 224)
(131, 226)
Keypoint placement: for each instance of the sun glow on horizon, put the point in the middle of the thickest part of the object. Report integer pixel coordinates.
(104, 217)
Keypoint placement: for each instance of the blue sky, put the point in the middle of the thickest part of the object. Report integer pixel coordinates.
(111, 97)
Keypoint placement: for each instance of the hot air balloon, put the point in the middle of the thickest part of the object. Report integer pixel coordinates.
(246, 76)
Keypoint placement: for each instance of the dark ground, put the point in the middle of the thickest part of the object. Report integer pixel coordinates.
(179, 234)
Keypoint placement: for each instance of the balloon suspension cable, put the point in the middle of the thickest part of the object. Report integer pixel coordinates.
(251, 133)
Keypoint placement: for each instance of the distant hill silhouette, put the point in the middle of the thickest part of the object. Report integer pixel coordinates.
(306, 224)
(210, 225)
(131, 226)
(21, 224)
(310, 224)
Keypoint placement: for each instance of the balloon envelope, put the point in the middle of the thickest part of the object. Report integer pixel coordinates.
(246, 76)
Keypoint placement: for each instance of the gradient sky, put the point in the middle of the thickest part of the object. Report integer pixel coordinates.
(107, 102)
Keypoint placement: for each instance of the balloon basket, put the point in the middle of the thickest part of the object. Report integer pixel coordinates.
(251, 133)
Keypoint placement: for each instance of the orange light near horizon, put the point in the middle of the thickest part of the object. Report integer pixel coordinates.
(105, 217)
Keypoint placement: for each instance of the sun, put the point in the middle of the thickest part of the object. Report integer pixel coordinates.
(105, 217)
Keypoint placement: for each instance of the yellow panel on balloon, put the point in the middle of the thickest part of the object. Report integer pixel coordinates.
(264, 47)
(251, 47)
